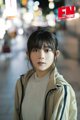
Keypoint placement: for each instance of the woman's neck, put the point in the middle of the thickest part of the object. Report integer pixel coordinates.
(41, 74)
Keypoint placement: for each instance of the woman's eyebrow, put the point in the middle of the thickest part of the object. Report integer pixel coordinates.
(46, 46)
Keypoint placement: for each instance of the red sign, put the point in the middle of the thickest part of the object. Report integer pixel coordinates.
(66, 12)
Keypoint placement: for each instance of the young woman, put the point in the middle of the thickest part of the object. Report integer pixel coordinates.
(42, 93)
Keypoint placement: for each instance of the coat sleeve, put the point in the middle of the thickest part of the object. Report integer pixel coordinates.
(64, 104)
(73, 106)
(16, 101)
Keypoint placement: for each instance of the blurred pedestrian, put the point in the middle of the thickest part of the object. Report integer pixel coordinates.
(6, 48)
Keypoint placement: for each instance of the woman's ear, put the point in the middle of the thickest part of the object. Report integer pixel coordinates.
(57, 53)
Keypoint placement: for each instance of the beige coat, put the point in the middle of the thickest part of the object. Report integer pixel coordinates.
(60, 101)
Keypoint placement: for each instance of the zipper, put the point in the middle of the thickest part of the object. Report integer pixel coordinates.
(20, 114)
(47, 95)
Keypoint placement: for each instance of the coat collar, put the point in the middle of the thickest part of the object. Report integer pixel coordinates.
(51, 83)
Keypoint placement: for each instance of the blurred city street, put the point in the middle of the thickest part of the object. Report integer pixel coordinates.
(14, 64)
(18, 19)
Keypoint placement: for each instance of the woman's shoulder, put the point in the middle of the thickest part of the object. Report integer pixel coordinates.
(24, 77)
(60, 80)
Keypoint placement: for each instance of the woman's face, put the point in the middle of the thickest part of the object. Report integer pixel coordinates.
(42, 59)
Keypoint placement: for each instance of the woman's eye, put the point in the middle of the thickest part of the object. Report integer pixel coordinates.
(34, 49)
(47, 50)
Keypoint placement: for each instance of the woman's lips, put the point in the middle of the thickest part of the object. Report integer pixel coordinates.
(41, 63)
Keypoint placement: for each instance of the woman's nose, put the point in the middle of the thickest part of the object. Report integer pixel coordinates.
(41, 54)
